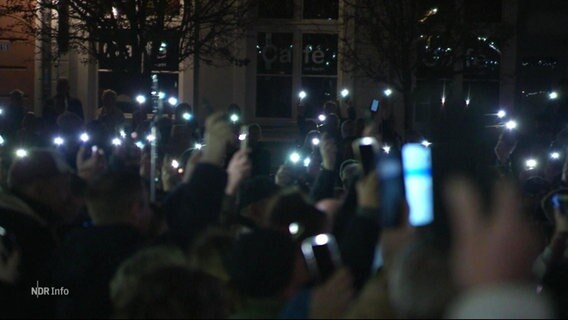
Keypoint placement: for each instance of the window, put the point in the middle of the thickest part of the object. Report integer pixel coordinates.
(319, 68)
(295, 55)
(274, 75)
(483, 10)
(276, 9)
(321, 9)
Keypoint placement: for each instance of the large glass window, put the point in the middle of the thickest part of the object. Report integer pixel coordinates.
(321, 9)
(276, 9)
(319, 68)
(274, 75)
(483, 10)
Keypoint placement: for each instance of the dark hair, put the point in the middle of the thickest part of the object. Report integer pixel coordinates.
(255, 190)
(175, 292)
(111, 196)
(291, 206)
(261, 263)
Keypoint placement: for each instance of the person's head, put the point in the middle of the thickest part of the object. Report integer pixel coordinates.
(563, 85)
(291, 207)
(331, 208)
(420, 282)
(175, 292)
(16, 98)
(118, 198)
(30, 121)
(182, 109)
(62, 86)
(69, 123)
(128, 274)
(330, 107)
(349, 171)
(359, 127)
(262, 263)
(348, 129)
(310, 125)
(308, 143)
(43, 176)
(254, 134)
(332, 122)
(234, 109)
(254, 195)
(209, 252)
(109, 98)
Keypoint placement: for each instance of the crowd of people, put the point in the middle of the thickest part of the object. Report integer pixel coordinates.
(225, 236)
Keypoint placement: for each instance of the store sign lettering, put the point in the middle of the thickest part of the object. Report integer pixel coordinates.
(4, 46)
(271, 54)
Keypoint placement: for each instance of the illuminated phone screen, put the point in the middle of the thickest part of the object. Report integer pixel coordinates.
(417, 169)
(391, 189)
(375, 105)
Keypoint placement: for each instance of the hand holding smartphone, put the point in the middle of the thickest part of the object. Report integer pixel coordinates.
(374, 107)
(418, 182)
(322, 256)
(365, 150)
(243, 137)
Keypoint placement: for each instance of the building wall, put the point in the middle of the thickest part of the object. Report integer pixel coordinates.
(16, 63)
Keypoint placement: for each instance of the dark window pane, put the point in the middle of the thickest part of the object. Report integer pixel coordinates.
(274, 53)
(319, 56)
(321, 9)
(273, 97)
(319, 91)
(276, 9)
(483, 10)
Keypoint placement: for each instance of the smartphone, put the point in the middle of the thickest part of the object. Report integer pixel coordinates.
(365, 150)
(8, 242)
(374, 105)
(418, 183)
(243, 137)
(391, 188)
(322, 256)
(560, 201)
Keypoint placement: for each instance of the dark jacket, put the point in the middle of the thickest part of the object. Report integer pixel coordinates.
(196, 205)
(85, 264)
(25, 222)
(261, 160)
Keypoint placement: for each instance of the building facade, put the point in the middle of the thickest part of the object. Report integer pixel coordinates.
(295, 45)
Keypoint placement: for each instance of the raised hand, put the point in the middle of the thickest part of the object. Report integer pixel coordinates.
(218, 135)
(328, 150)
(332, 299)
(88, 169)
(499, 248)
(284, 176)
(239, 169)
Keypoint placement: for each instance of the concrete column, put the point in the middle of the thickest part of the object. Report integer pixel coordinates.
(86, 87)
